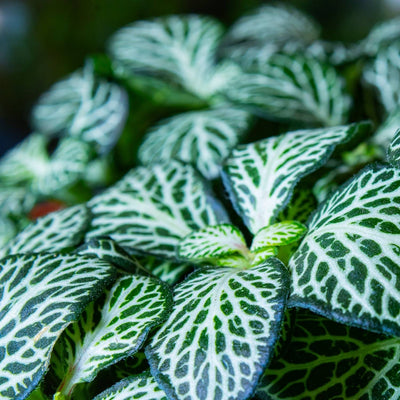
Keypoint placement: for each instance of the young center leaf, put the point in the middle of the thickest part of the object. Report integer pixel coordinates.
(394, 150)
(41, 294)
(261, 176)
(213, 243)
(55, 232)
(383, 73)
(109, 330)
(292, 88)
(221, 333)
(142, 387)
(327, 360)
(152, 208)
(84, 107)
(279, 234)
(202, 138)
(272, 28)
(346, 267)
(175, 50)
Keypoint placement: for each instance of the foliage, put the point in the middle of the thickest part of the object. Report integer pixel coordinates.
(181, 275)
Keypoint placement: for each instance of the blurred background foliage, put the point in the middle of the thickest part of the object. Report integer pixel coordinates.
(42, 41)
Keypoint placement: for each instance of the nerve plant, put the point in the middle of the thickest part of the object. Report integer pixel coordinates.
(180, 288)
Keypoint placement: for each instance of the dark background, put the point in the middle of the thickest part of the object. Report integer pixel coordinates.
(43, 40)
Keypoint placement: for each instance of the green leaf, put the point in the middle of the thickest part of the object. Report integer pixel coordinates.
(383, 73)
(279, 234)
(179, 50)
(212, 242)
(110, 330)
(136, 387)
(202, 138)
(85, 107)
(271, 28)
(8, 230)
(346, 267)
(108, 250)
(326, 360)
(41, 294)
(221, 333)
(261, 176)
(54, 232)
(394, 150)
(152, 208)
(293, 88)
(37, 394)
(302, 204)
(166, 270)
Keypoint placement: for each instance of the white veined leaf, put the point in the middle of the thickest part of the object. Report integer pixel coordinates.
(264, 254)
(326, 360)
(346, 267)
(279, 234)
(293, 88)
(108, 250)
(394, 150)
(41, 294)
(202, 138)
(381, 35)
(383, 73)
(135, 387)
(179, 50)
(152, 208)
(83, 106)
(212, 242)
(166, 270)
(221, 333)
(30, 164)
(110, 330)
(271, 27)
(25, 161)
(54, 232)
(65, 167)
(385, 132)
(261, 176)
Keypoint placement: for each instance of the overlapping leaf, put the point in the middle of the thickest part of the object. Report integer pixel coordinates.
(394, 150)
(110, 330)
(294, 88)
(108, 250)
(201, 138)
(221, 333)
(15, 201)
(85, 107)
(272, 28)
(346, 268)
(166, 270)
(326, 360)
(41, 294)
(54, 232)
(261, 176)
(178, 50)
(212, 242)
(136, 387)
(7, 231)
(383, 73)
(151, 209)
